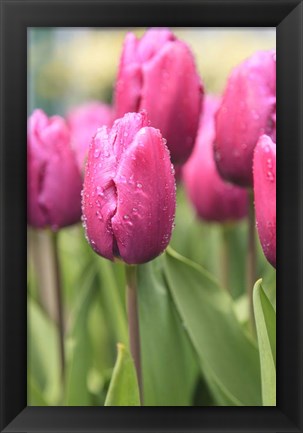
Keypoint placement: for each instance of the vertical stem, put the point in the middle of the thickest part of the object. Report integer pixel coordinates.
(41, 256)
(251, 258)
(58, 292)
(224, 257)
(133, 322)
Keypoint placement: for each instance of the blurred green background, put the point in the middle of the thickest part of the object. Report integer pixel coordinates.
(67, 67)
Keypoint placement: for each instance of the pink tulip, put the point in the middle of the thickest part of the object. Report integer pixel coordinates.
(129, 191)
(248, 110)
(158, 73)
(54, 180)
(83, 122)
(264, 170)
(213, 198)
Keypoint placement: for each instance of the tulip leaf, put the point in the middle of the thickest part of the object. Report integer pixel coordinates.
(265, 317)
(170, 368)
(225, 351)
(79, 356)
(43, 355)
(35, 395)
(123, 389)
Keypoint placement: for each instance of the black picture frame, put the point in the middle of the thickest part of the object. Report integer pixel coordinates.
(16, 17)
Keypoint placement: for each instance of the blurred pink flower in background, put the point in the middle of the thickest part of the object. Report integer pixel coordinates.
(213, 198)
(53, 178)
(83, 121)
(247, 110)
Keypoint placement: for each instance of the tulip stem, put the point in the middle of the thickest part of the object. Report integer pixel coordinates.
(133, 322)
(251, 258)
(59, 303)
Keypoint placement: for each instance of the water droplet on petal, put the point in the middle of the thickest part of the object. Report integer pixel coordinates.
(217, 156)
(139, 185)
(270, 176)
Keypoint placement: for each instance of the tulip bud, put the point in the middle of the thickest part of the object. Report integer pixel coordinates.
(248, 110)
(83, 122)
(264, 171)
(213, 198)
(128, 198)
(54, 180)
(158, 73)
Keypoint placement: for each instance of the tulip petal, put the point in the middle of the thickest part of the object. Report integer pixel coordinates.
(158, 73)
(99, 199)
(61, 201)
(264, 170)
(100, 189)
(152, 42)
(142, 224)
(171, 95)
(54, 180)
(128, 89)
(213, 198)
(247, 111)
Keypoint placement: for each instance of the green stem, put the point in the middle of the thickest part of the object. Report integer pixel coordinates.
(133, 322)
(41, 256)
(251, 258)
(59, 302)
(113, 302)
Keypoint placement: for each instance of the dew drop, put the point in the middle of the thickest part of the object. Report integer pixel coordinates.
(270, 176)
(217, 156)
(126, 217)
(139, 185)
(97, 153)
(269, 163)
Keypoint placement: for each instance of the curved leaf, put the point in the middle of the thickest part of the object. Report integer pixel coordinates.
(224, 349)
(265, 317)
(123, 389)
(170, 368)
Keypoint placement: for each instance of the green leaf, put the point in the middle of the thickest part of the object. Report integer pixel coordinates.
(265, 317)
(169, 363)
(225, 351)
(35, 396)
(123, 389)
(43, 356)
(80, 359)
